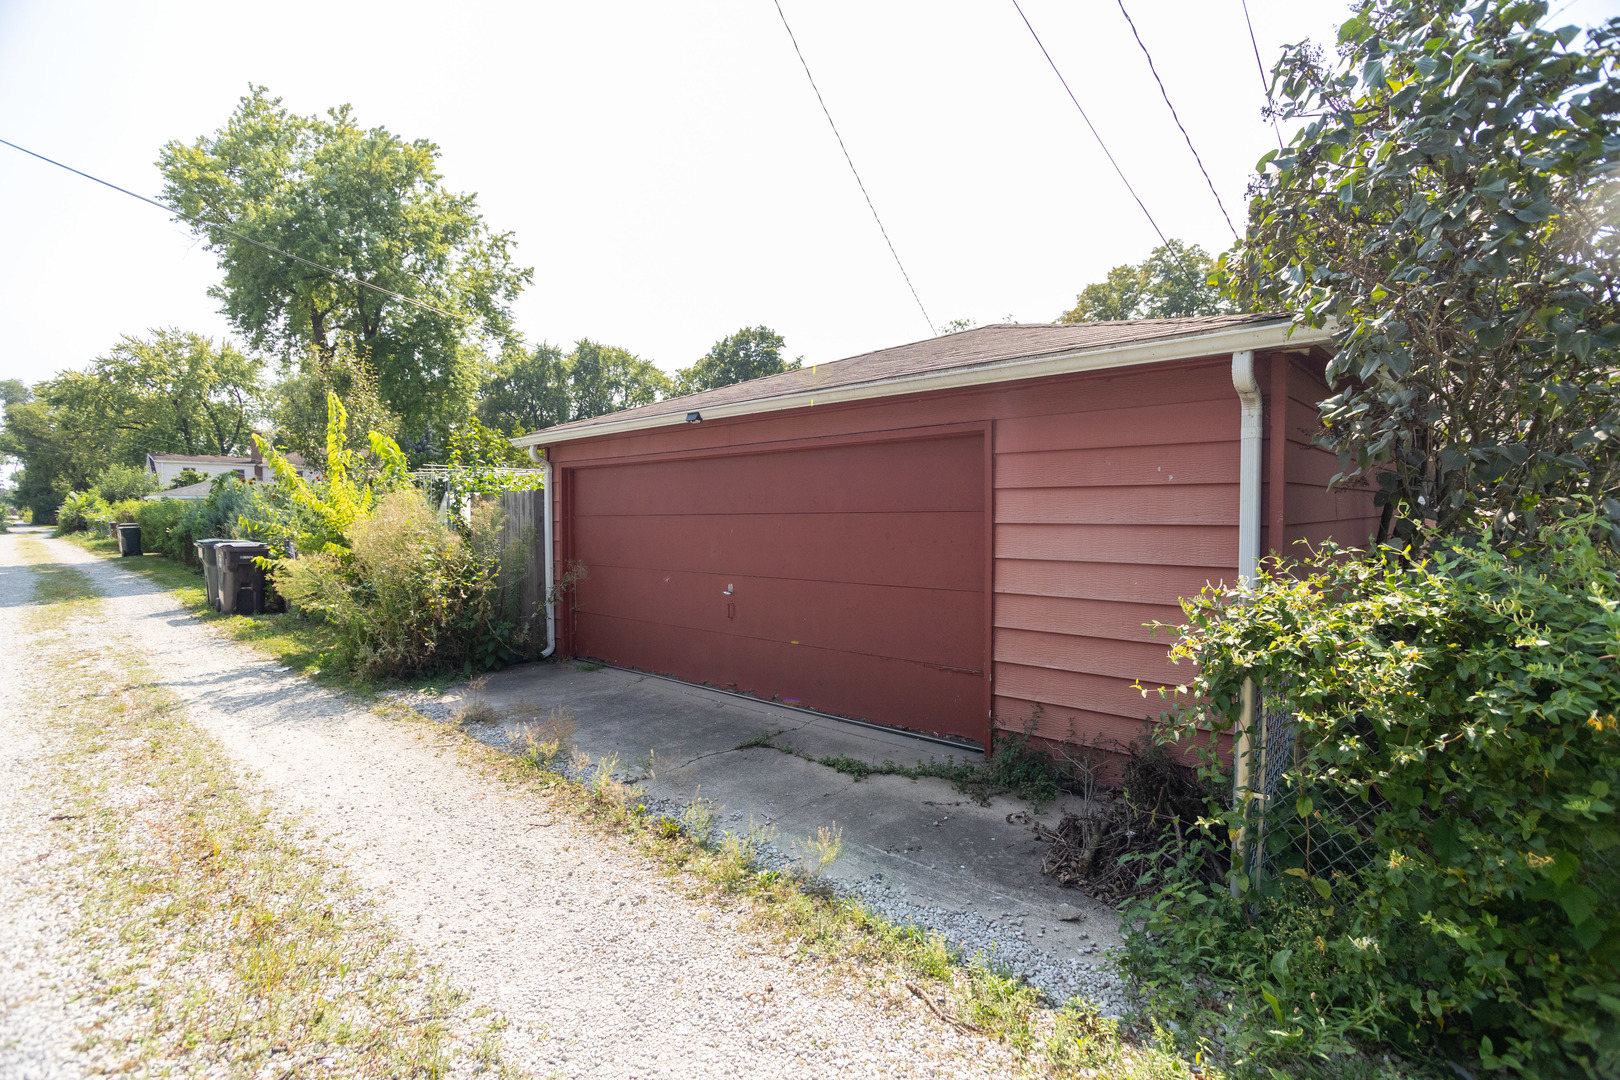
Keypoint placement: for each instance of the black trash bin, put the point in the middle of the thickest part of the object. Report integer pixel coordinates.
(241, 582)
(210, 565)
(129, 538)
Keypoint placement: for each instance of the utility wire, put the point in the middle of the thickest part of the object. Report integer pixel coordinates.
(852, 169)
(340, 274)
(1259, 65)
(1089, 124)
(1166, 95)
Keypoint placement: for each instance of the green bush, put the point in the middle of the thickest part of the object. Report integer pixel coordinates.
(411, 596)
(164, 529)
(118, 483)
(1456, 766)
(171, 527)
(78, 510)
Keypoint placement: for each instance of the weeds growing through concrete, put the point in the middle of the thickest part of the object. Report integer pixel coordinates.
(475, 707)
(1016, 769)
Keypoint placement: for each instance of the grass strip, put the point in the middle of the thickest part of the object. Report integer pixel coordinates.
(218, 941)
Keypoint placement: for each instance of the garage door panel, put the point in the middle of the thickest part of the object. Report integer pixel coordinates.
(939, 474)
(845, 684)
(924, 625)
(942, 550)
(872, 558)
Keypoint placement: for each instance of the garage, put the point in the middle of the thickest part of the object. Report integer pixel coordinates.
(846, 576)
(971, 534)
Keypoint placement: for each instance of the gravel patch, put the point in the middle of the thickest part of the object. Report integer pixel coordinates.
(1011, 942)
(48, 983)
(598, 964)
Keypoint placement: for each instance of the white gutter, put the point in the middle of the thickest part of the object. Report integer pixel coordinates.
(548, 557)
(1277, 335)
(1248, 561)
(1248, 391)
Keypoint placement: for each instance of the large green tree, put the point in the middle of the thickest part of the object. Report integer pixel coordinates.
(604, 379)
(173, 392)
(1173, 281)
(1452, 201)
(371, 206)
(751, 353)
(526, 390)
(170, 392)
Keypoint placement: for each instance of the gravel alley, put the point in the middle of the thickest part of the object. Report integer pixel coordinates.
(597, 964)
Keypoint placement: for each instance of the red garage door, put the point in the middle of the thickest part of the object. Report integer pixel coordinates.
(849, 578)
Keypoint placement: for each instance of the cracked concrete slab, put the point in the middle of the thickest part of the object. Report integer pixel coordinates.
(681, 742)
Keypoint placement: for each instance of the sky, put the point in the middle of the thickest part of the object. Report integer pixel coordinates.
(665, 168)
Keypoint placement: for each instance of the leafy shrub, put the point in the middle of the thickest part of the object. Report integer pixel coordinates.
(118, 483)
(78, 510)
(316, 515)
(1456, 764)
(186, 477)
(163, 528)
(409, 596)
(171, 527)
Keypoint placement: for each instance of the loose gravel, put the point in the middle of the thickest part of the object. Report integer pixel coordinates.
(598, 964)
(1007, 943)
(44, 975)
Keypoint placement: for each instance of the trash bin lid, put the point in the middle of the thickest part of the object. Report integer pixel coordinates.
(205, 549)
(234, 553)
(128, 525)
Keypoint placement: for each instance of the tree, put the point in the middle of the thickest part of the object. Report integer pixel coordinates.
(1452, 202)
(172, 392)
(751, 353)
(1173, 281)
(527, 390)
(300, 407)
(118, 482)
(603, 379)
(188, 476)
(371, 206)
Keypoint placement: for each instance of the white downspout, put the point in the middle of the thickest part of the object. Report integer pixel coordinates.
(549, 559)
(1248, 561)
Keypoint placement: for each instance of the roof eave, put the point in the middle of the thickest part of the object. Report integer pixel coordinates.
(1279, 334)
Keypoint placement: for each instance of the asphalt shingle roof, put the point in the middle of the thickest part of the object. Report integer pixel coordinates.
(965, 349)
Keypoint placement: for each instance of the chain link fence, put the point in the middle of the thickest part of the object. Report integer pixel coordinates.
(1307, 817)
(1306, 820)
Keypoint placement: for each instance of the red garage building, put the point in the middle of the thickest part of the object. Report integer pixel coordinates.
(965, 532)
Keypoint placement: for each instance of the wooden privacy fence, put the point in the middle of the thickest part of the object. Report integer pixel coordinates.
(523, 527)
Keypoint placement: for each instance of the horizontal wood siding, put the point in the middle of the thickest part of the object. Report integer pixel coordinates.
(1315, 512)
(1105, 518)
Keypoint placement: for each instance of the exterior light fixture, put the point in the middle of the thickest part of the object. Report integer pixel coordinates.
(694, 418)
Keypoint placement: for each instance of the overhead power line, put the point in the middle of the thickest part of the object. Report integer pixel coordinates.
(852, 169)
(1166, 95)
(1259, 65)
(341, 275)
(1089, 124)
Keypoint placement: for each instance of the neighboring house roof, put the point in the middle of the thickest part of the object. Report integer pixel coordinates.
(202, 459)
(190, 493)
(294, 458)
(986, 354)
